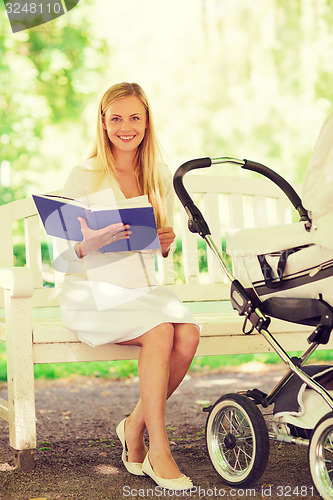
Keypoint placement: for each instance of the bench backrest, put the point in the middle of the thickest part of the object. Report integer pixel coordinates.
(226, 202)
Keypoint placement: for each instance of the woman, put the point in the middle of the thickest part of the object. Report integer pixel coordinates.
(114, 296)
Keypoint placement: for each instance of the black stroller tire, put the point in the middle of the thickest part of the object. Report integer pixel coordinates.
(237, 440)
(321, 457)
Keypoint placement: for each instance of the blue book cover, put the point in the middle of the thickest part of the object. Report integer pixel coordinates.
(60, 218)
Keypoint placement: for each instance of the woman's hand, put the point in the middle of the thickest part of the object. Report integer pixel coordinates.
(95, 239)
(166, 237)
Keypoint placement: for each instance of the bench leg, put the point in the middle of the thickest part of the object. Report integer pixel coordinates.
(20, 375)
(24, 460)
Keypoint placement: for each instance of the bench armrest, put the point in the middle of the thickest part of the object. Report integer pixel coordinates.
(18, 280)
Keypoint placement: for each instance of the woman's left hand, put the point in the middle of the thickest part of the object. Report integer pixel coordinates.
(166, 237)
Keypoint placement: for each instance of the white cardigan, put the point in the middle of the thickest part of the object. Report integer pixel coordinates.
(126, 269)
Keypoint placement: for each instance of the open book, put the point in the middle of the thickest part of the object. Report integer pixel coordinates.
(60, 218)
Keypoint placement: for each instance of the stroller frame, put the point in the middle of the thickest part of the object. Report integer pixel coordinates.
(250, 307)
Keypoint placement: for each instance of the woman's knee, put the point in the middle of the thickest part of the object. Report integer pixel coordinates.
(161, 337)
(187, 337)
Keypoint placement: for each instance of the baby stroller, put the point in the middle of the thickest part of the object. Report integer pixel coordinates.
(291, 280)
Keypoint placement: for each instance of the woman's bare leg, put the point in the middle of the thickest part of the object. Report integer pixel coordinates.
(154, 369)
(185, 339)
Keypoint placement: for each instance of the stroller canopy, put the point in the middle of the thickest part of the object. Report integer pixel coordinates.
(318, 187)
(288, 260)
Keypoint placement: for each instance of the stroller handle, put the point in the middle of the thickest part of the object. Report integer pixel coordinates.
(196, 222)
(281, 183)
(289, 191)
(180, 189)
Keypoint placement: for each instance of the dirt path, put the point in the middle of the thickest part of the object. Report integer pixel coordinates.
(79, 456)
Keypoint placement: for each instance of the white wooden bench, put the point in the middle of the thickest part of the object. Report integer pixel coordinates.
(31, 324)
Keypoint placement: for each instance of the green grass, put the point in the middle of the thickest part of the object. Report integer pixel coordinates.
(128, 369)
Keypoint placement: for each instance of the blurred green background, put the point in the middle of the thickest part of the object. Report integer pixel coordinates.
(224, 78)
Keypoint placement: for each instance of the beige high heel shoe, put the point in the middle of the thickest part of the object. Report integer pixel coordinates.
(179, 483)
(132, 467)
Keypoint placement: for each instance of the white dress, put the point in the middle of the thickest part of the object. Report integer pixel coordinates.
(114, 296)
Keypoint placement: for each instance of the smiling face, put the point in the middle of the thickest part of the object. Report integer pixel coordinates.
(125, 122)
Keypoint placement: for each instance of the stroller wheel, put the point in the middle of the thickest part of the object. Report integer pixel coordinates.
(237, 439)
(321, 456)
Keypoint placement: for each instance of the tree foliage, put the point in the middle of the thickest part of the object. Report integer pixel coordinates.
(47, 76)
(231, 78)
(257, 82)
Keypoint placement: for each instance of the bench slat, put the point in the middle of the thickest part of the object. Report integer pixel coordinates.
(77, 351)
(209, 345)
(2, 329)
(189, 252)
(236, 210)
(196, 292)
(51, 330)
(211, 210)
(248, 344)
(33, 248)
(6, 247)
(199, 183)
(260, 211)
(4, 413)
(283, 211)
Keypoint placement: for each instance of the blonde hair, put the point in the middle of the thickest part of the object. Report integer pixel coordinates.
(148, 154)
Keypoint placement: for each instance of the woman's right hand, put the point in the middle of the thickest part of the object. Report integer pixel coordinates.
(96, 239)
